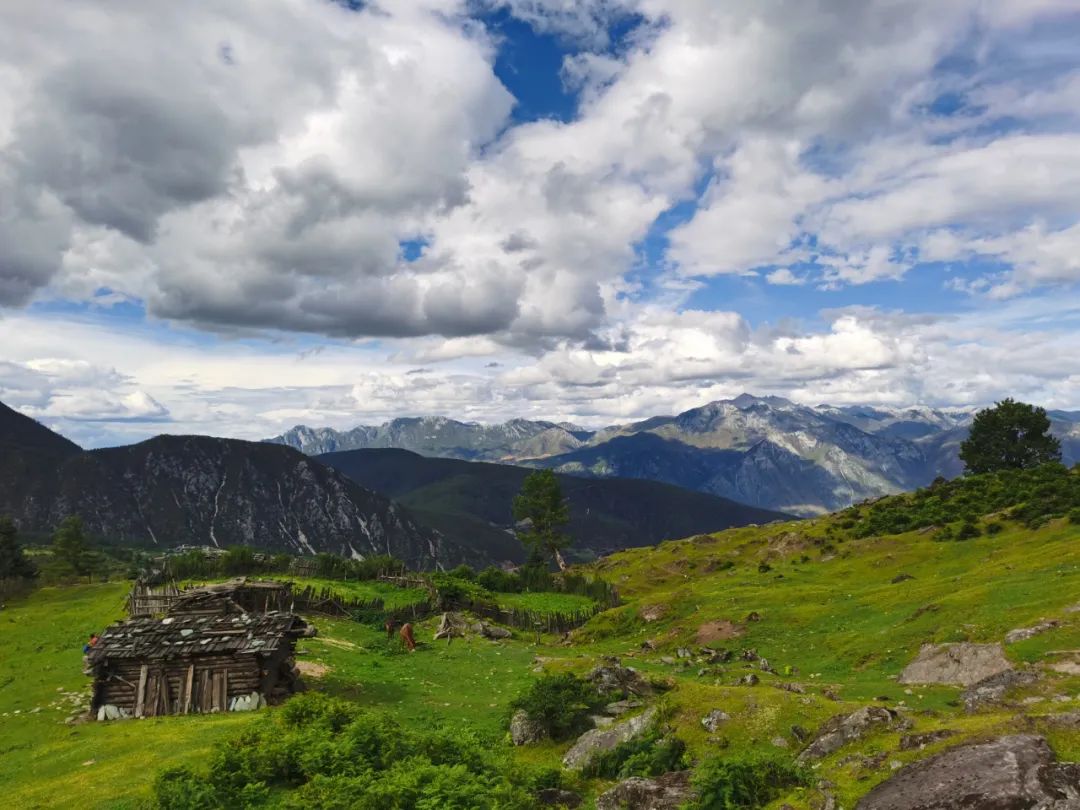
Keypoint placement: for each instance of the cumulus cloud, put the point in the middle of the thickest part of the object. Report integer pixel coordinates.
(297, 166)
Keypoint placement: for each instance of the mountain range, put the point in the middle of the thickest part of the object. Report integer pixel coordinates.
(762, 451)
(199, 490)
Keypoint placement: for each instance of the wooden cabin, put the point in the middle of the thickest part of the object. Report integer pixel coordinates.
(207, 655)
(152, 594)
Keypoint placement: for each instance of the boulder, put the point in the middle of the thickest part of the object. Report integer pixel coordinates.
(523, 730)
(599, 740)
(493, 631)
(1011, 772)
(667, 792)
(713, 719)
(993, 689)
(612, 677)
(962, 664)
(844, 728)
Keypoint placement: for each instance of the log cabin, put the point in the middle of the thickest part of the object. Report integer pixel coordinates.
(207, 655)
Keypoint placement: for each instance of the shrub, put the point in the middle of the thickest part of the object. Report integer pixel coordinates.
(994, 527)
(321, 752)
(764, 568)
(968, 530)
(498, 581)
(559, 704)
(650, 755)
(744, 783)
(1074, 516)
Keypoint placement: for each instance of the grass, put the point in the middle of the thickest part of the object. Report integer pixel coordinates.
(392, 596)
(838, 616)
(542, 602)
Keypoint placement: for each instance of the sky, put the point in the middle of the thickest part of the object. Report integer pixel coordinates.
(235, 216)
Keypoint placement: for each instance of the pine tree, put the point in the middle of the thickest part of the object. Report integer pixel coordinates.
(13, 562)
(69, 546)
(1010, 436)
(541, 505)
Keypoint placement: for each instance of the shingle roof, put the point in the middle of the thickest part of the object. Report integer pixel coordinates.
(173, 636)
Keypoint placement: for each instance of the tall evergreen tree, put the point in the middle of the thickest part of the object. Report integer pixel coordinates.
(1010, 436)
(13, 562)
(544, 509)
(70, 547)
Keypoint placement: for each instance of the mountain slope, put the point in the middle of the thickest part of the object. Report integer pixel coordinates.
(764, 451)
(475, 497)
(174, 490)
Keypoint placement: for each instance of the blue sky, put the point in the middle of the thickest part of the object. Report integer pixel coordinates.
(593, 211)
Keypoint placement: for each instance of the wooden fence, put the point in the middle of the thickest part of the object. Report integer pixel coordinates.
(324, 600)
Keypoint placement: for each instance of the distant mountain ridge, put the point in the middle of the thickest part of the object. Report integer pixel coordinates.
(173, 490)
(199, 490)
(474, 499)
(763, 451)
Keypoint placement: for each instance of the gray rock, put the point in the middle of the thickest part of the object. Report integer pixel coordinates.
(667, 792)
(913, 742)
(1022, 633)
(600, 720)
(598, 740)
(962, 664)
(713, 719)
(844, 728)
(493, 631)
(1018, 772)
(622, 707)
(749, 680)
(523, 730)
(556, 797)
(683, 652)
(993, 689)
(612, 677)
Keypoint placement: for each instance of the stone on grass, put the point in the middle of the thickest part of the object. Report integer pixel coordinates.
(844, 728)
(962, 664)
(523, 730)
(713, 719)
(667, 792)
(1022, 633)
(612, 677)
(600, 740)
(993, 689)
(1010, 772)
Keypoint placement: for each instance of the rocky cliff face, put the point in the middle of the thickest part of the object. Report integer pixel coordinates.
(447, 438)
(197, 490)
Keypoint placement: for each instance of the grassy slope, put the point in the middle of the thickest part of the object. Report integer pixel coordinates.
(837, 620)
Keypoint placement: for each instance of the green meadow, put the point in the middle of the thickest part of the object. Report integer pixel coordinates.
(837, 615)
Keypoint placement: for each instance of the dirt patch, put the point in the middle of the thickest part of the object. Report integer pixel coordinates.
(341, 644)
(312, 669)
(720, 630)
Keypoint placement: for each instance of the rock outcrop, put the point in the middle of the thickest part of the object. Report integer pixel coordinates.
(611, 678)
(1023, 633)
(844, 728)
(599, 740)
(713, 719)
(523, 730)
(962, 664)
(993, 689)
(667, 792)
(1010, 773)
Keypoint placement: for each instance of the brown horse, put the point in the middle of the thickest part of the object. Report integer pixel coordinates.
(407, 637)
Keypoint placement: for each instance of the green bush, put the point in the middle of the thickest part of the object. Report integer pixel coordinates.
(651, 755)
(1031, 496)
(498, 581)
(559, 704)
(968, 530)
(325, 753)
(744, 783)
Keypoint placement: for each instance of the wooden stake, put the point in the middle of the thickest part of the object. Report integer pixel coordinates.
(140, 695)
